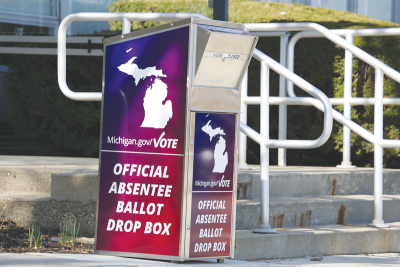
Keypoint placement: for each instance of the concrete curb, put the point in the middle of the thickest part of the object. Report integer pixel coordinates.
(321, 240)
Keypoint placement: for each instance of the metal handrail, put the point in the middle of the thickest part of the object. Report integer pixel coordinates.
(329, 35)
(347, 99)
(321, 101)
(340, 32)
(308, 101)
(126, 18)
(309, 88)
(377, 137)
(284, 40)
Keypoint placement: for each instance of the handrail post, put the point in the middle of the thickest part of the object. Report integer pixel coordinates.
(282, 108)
(347, 95)
(243, 118)
(265, 227)
(378, 152)
(126, 25)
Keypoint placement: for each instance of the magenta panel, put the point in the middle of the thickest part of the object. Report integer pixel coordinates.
(212, 189)
(142, 145)
(140, 203)
(210, 231)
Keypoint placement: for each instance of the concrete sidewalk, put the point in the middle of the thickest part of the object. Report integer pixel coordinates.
(71, 260)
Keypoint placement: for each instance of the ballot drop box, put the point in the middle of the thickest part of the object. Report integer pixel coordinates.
(168, 147)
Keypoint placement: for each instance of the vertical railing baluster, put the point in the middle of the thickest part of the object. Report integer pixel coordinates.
(243, 118)
(347, 94)
(378, 151)
(126, 25)
(265, 227)
(282, 108)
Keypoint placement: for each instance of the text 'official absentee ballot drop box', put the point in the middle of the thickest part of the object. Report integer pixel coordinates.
(170, 125)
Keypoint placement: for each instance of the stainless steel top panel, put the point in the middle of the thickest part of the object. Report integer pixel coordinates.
(222, 54)
(147, 31)
(219, 23)
(118, 38)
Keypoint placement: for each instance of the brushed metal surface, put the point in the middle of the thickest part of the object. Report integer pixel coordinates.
(226, 71)
(219, 23)
(214, 99)
(231, 42)
(145, 32)
(222, 54)
(202, 36)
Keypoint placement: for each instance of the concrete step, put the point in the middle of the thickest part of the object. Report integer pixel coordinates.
(32, 175)
(315, 181)
(24, 208)
(317, 240)
(328, 210)
(284, 212)
(47, 188)
(53, 193)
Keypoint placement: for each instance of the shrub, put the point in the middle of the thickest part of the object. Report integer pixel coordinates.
(42, 116)
(65, 127)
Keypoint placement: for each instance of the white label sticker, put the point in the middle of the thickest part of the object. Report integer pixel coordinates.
(225, 55)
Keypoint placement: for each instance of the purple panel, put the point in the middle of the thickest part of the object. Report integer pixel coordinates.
(146, 77)
(213, 170)
(214, 152)
(148, 198)
(143, 130)
(211, 225)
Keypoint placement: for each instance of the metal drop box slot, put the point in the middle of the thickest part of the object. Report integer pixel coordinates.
(169, 134)
(221, 57)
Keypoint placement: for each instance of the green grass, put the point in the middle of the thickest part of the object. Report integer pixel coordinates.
(247, 11)
(271, 12)
(318, 61)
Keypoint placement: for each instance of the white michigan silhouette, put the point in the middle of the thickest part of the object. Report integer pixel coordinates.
(220, 155)
(156, 114)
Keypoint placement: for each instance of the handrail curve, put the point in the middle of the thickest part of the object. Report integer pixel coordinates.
(329, 35)
(312, 90)
(340, 32)
(307, 101)
(101, 16)
(386, 143)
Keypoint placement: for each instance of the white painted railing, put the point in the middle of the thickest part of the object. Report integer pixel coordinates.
(347, 101)
(126, 19)
(284, 39)
(320, 101)
(380, 70)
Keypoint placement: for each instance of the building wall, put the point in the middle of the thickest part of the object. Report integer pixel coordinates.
(43, 7)
(49, 13)
(89, 6)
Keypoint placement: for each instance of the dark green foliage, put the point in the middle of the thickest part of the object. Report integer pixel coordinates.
(303, 122)
(171, 6)
(387, 50)
(42, 116)
(321, 63)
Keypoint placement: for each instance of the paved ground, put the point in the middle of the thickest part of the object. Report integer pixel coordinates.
(68, 260)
